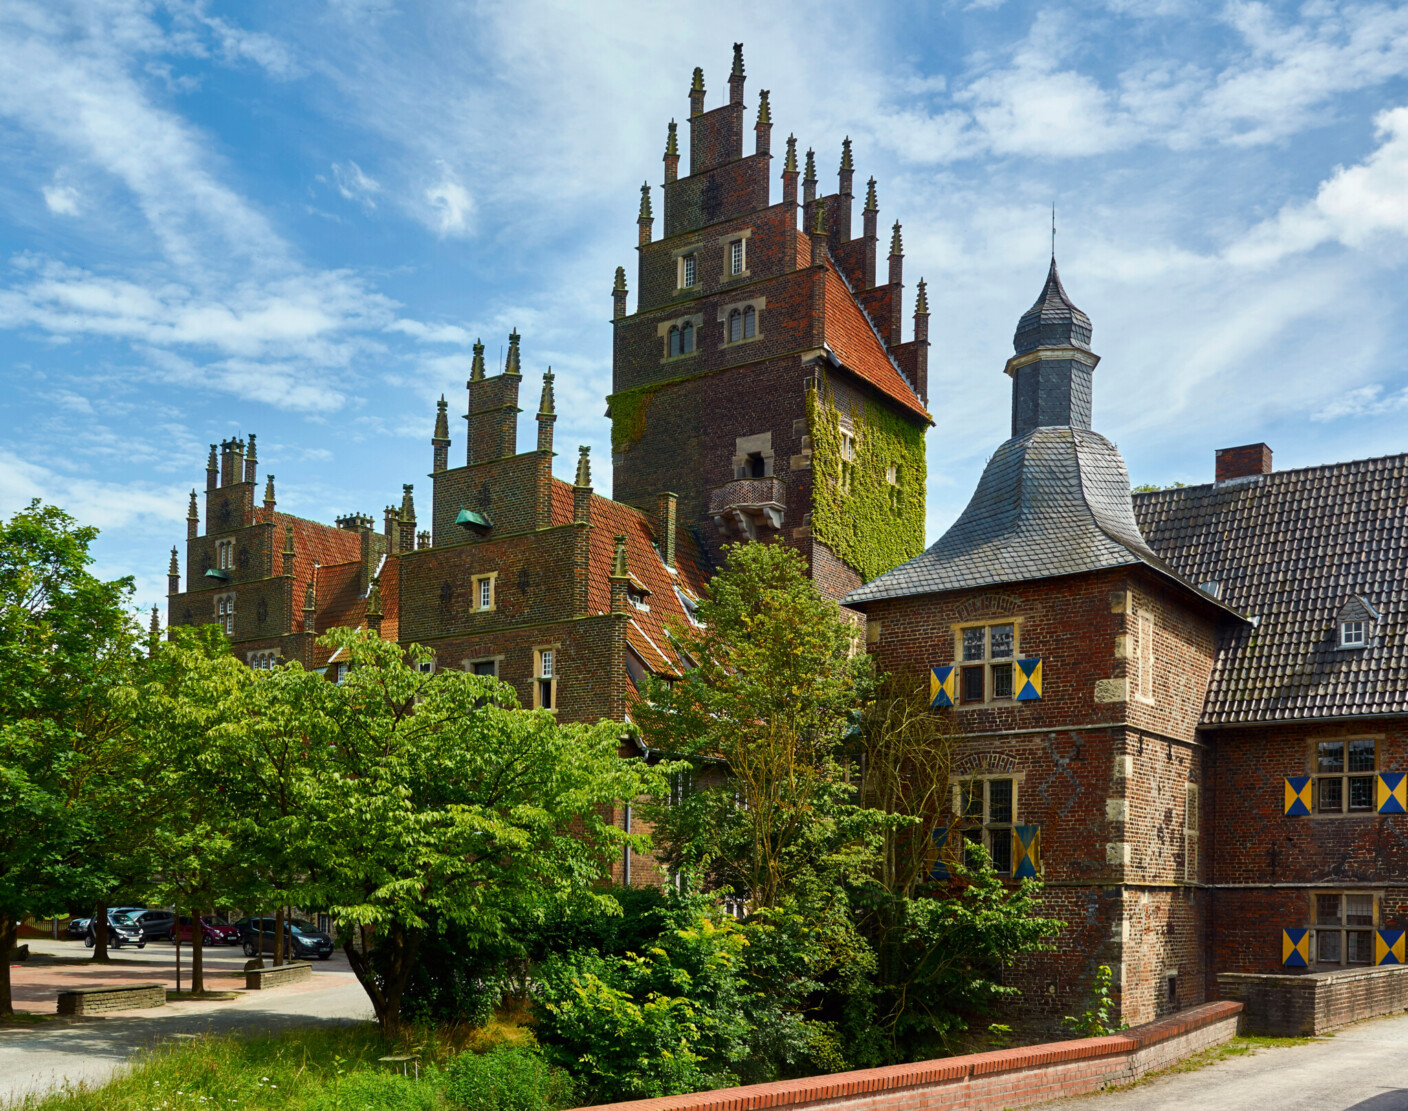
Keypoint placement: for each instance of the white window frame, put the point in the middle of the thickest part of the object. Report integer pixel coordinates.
(1354, 634)
(545, 675)
(225, 613)
(478, 585)
(687, 273)
(263, 660)
(737, 257)
(224, 555)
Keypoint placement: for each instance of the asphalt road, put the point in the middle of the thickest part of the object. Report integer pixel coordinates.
(1360, 1068)
(46, 1056)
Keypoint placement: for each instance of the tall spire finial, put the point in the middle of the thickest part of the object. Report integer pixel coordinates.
(737, 70)
(174, 567)
(547, 405)
(442, 420)
(584, 466)
(809, 176)
(764, 110)
(896, 242)
(618, 562)
(1053, 231)
(192, 513)
(789, 165)
(672, 142)
(645, 213)
(697, 84)
(476, 368)
(871, 203)
(269, 501)
(512, 366)
(846, 163)
(921, 304)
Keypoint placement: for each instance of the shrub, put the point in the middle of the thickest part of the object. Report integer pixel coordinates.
(507, 1078)
(375, 1091)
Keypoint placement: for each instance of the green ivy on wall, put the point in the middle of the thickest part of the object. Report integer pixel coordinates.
(869, 521)
(627, 411)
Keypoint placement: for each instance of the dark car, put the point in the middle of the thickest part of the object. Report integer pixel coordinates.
(156, 924)
(122, 930)
(302, 939)
(214, 931)
(78, 928)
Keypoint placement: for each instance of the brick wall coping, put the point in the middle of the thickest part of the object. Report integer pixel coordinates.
(841, 1085)
(103, 989)
(1312, 977)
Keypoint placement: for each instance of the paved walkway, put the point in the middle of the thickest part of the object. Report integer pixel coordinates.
(1360, 1068)
(45, 1056)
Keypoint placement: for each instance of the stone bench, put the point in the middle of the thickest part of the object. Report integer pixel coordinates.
(110, 997)
(257, 979)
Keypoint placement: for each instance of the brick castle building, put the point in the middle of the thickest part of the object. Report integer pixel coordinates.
(1186, 709)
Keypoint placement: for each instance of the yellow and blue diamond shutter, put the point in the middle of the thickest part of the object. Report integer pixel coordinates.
(1388, 946)
(1295, 948)
(1026, 851)
(1297, 795)
(1391, 793)
(940, 870)
(1028, 680)
(943, 686)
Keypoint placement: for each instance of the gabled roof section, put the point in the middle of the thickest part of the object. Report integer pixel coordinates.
(854, 340)
(1053, 502)
(1290, 549)
(314, 544)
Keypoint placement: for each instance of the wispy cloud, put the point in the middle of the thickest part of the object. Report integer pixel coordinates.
(355, 185)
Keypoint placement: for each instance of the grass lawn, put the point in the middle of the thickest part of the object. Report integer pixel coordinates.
(332, 1069)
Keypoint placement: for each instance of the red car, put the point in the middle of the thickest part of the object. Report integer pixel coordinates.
(213, 931)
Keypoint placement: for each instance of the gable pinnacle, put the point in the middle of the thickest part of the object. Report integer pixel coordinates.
(697, 84)
(618, 562)
(645, 213)
(819, 224)
(620, 285)
(251, 456)
(921, 304)
(846, 154)
(476, 368)
(737, 60)
(210, 463)
(174, 567)
(871, 203)
(193, 514)
(442, 422)
(672, 142)
(809, 177)
(584, 466)
(789, 165)
(310, 598)
(764, 111)
(155, 625)
(512, 365)
(546, 406)
(269, 492)
(896, 245)
(374, 599)
(288, 540)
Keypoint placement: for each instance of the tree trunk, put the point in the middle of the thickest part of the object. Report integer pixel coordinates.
(396, 967)
(279, 936)
(197, 950)
(100, 932)
(9, 930)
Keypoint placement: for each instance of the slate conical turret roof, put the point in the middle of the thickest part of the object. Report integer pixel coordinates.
(1053, 321)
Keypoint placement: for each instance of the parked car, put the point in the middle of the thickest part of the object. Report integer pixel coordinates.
(302, 939)
(214, 931)
(156, 924)
(78, 928)
(122, 930)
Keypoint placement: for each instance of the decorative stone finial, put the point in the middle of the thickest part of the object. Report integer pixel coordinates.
(618, 562)
(193, 514)
(697, 84)
(476, 368)
(620, 285)
(512, 365)
(809, 176)
(871, 203)
(921, 303)
(546, 406)
(846, 154)
(764, 111)
(584, 466)
(896, 243)
(174, 567)
(672, 139)
(737, 70)
(442, 421)
(819, 221)
(645, 213)
(789, 165)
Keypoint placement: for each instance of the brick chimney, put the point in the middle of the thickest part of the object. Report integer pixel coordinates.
(1243, 462)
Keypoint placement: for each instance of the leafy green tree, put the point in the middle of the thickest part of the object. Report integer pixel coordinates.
(441, 796)
(68, 649)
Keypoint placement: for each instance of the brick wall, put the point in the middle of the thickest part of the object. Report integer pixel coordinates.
(101, 1000)
(980, 1081)
(1304, 1005)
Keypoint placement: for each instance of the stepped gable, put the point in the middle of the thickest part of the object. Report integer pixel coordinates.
(314, 545)
(858, 345)
(1290, 549)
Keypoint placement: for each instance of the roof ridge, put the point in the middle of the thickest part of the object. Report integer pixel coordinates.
(1178, 490)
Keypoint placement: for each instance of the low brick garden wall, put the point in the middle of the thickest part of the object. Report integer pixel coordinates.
(111, 997)
(1303, 1004)
(980, 1081)
(256, 979)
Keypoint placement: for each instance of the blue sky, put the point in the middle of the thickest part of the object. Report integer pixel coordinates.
(224, 218)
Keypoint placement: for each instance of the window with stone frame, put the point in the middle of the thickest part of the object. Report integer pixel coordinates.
(1142, 658)
(545, 678)
(987, 810)
(483, 592)
(225, 555)
(1343, 770)
(986, 653)
(848, 458)
(1344, 927)
(488, 667)
(264, 660)
(225, 613)
(750, 322)
(737, 256)
(735, 326)
(688, 271)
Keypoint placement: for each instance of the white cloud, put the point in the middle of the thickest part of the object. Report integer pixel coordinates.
(355, 185)
(91, 501)
(1366, 401)
(451, 204)
(61, 199)
(430, 333)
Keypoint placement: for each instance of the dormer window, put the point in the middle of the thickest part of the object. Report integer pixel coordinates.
(1352, 634)
(1354, 623)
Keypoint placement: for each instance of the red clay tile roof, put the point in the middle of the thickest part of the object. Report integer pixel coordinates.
(854, 341)
(313, 544)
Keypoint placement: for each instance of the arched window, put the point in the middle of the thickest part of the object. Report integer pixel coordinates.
(674, 341)
(687, 338)
(735, 326)
(750, 323)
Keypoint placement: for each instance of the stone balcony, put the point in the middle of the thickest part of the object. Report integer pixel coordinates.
(743, 506)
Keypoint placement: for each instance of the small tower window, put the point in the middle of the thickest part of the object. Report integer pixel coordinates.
(674, 342)
(735, 326)
(750, 323)
(544, 679)
(735, 257)
(687, 339)
(688, 268)
(224, 554)
(1352, 634)
(225, 613)
(848, 458)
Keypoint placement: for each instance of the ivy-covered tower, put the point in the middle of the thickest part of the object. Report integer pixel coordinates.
(763, 377)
